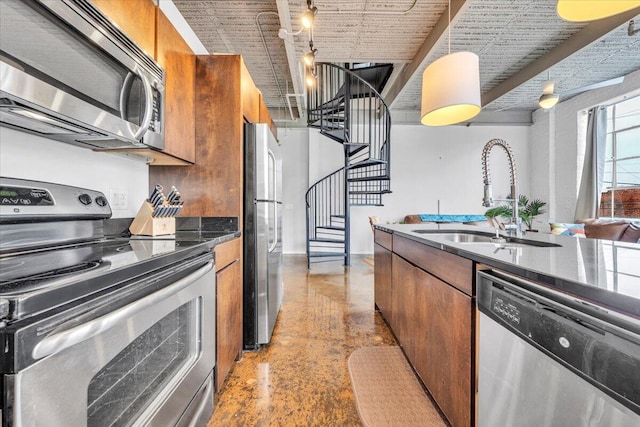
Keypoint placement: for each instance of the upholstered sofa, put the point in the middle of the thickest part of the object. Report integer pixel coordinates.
(465, 219)
(611, 229)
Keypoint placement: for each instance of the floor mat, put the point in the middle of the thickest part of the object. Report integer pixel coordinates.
(387, 390)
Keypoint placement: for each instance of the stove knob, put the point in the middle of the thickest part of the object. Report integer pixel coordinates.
(85, 199)
(101, 201)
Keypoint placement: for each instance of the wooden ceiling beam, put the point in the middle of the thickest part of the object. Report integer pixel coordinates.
(294, 64)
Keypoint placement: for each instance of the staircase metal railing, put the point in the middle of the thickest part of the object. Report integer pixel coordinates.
(347, 109)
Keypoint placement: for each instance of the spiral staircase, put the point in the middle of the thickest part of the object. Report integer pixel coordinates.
(345, 104)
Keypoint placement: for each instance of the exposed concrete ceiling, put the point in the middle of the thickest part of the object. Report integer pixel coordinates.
(518, 41)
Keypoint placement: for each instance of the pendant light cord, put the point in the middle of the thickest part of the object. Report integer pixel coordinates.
(449, 26)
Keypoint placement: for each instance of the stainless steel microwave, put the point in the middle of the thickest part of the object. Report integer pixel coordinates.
(68, 73)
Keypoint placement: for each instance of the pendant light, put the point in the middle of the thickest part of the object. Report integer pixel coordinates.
(589, 10)
(451, 87)
(548, 98)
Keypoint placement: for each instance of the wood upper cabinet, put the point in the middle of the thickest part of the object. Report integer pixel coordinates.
(179, 63)
(137, 18)
(228, 308)
(213, 186)
(265, 117)
(250, 97)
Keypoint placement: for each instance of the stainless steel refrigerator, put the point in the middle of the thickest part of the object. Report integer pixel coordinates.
(262, 234)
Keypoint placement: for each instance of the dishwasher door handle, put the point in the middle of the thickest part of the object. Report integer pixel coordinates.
(60, 341)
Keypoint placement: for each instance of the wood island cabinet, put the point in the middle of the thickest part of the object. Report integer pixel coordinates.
(432, 317)
(228, 308)
(382, 273)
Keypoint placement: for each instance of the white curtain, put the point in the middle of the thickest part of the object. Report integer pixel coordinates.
(588, 203)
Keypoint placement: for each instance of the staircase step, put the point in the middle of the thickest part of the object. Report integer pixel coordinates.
(365, 163)
(355, 148)
(337, 216)
(370, 192)
(323, 240)
(369, 178)
(335, 134)
(330, 227)
(335, 105)
(326, 254)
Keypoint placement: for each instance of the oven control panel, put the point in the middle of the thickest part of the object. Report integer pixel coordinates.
(26, 200)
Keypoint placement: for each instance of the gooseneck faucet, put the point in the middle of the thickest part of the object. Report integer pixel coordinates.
(487, 201)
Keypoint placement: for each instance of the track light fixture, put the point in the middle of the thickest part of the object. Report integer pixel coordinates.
(310, 57)
(311, 77)
(308, 16)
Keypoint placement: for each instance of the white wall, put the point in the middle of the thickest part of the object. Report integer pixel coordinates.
(27, 156)
(295, 166)
(429, 165)
(557, 147)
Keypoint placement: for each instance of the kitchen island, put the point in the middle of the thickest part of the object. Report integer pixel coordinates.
(426, 282)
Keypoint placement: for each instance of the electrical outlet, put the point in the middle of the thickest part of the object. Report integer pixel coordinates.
(118, 199)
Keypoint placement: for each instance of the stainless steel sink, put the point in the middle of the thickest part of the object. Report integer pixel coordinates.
(478, 237)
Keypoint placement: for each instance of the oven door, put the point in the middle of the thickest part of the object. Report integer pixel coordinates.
(141, 364)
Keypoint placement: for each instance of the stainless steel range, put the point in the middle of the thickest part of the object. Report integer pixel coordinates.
(96, 330)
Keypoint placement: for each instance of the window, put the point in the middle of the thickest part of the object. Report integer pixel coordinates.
(620, 196)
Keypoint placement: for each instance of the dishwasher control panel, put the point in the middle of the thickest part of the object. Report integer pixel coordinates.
(506, 309)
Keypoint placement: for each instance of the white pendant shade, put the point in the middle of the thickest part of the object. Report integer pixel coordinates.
(589, 10)
(451, 89)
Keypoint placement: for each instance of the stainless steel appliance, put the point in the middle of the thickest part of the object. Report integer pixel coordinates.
(549, 359)
(99, 330)
(262, 234)
(68, 73)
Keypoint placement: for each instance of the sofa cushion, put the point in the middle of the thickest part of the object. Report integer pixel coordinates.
(632, 233)
(564, 229)
(605, 228)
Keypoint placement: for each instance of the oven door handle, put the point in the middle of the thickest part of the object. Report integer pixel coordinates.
(58, 342)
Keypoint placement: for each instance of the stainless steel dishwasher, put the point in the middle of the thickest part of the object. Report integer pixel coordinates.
(549, 359)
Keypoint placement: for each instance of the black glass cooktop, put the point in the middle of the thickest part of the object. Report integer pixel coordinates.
(37, 280)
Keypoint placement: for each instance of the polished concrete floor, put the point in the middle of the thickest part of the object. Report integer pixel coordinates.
(301, 378)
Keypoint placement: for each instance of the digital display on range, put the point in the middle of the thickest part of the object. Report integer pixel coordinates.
(21, 196)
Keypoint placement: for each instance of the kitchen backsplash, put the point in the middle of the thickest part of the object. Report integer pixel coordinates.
(125, 182)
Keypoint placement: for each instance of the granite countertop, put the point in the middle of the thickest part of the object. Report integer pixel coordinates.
(210, 231)
(602, 271)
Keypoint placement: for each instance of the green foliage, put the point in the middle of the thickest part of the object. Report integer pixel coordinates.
(526, 209)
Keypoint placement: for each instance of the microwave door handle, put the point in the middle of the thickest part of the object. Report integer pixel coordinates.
(58, 342)
(148, 106)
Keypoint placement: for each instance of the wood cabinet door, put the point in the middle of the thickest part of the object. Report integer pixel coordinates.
(137, 18)
(403, 304)
(382, 280)
(228, 319)
(250, 97)
(443, 353)
(179, 63)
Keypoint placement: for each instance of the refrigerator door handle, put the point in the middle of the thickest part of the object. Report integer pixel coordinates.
(274, 181)
(275, 227)
(274, 197)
